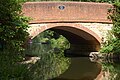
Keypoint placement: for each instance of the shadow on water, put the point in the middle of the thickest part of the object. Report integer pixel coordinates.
(52, 63)
(81, 68)
(55, 65)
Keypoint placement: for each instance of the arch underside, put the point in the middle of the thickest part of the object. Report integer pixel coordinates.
(78, 35)
(79, 39)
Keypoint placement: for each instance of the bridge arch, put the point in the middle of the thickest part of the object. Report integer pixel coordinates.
(75, 33)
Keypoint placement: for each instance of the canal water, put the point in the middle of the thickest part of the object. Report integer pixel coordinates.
(80, 69)
(54, 65)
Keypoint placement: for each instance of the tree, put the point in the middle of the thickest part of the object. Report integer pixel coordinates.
(13, 34)
(13, 25)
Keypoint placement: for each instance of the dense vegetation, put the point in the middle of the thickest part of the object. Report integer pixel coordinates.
(13, 26)
(112, 45)
(109, 1)
(13, 34)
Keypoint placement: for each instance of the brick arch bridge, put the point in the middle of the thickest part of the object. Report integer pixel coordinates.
(81, 23)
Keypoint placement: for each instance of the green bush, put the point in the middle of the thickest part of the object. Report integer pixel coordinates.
(13, 25)
(13, 34)
(112, 45)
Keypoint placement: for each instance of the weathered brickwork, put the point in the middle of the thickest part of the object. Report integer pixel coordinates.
(87, 21)
(71, 11)
(98, 30)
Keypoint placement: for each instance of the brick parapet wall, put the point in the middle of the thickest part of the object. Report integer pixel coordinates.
(42, 12)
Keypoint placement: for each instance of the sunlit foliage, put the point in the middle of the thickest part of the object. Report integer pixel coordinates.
(112, 45)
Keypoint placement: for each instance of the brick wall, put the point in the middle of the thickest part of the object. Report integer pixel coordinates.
(66, 11)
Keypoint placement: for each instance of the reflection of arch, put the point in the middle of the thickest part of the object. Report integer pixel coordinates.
(75, 33)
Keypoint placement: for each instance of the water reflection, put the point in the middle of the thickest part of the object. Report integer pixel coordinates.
(110, 71)
(51, 63)
(81, 68)
(55, 65)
